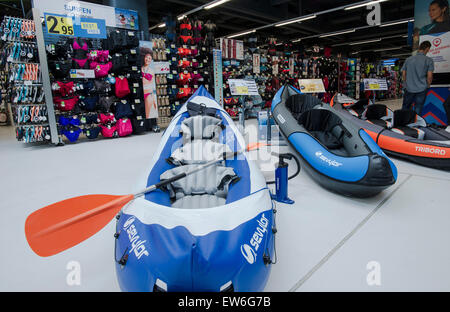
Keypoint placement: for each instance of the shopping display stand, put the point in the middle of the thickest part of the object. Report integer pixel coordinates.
(55, 138)
(32, 118)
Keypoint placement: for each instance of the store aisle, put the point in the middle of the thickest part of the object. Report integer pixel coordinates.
(324, 241)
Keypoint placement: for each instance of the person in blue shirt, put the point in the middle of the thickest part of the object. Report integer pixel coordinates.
(440, 18)
(417, 74)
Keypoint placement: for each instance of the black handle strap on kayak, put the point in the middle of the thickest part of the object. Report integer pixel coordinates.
(379, 133)
(195, 109)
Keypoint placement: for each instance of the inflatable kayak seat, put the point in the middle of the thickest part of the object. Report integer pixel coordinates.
(322, 125)
(197, 152)
(200, 136)
(378, 114)
(407, 121)
(358, 108)
(204, 189)
(300, 103)
(201, 127)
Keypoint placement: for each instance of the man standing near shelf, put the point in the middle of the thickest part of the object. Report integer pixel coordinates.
(417, 78)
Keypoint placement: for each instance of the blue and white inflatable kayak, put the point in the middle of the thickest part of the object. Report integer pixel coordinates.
(338, 155)
(211, 231)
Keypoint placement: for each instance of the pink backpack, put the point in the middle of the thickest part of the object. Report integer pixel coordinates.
(124, 127)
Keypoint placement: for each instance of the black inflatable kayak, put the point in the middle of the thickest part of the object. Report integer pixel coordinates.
(339, 156)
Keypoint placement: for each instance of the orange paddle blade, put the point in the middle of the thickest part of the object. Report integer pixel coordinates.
(62, 225)
(256, 145)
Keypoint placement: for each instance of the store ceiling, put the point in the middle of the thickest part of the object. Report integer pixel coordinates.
(240, 15)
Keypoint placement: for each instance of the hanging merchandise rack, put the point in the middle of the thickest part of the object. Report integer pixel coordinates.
(23, 80)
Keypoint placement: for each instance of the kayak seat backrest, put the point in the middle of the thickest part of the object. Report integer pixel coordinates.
(324, 126)
(200, 141)
(204, 189)
(201, 127)
(378, 114)
(297, 104)
(358, 108)
(407, 122)
(408, 118)
(198, 152)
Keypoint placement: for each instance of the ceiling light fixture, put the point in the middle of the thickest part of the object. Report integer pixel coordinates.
(242, 34)
(181, 17)
(394, 23)
(296, 40)
(301, 19)
(162, 25)
(214, 4)
(338, 33)
(364, 42)
(363, 4)
(388, 49)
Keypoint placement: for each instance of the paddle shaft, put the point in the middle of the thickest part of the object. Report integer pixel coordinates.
(125, 199)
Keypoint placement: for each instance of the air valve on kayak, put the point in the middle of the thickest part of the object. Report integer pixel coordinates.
(281, 178)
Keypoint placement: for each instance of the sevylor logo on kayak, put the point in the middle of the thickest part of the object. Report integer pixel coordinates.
(137, 245)
(430, 150)
(328, 161)
(250, 251)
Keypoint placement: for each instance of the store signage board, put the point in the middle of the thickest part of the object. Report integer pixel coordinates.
(82, 73)
(113, 17)
(291, 66)
(375, 85)
(256, 63)
(243, 87)
(126, 19)
(64, 25)
(439, 51)
(311, 86)
(60, 25)
(232, 49)
(161, 67)
(91, 28)
(218, 76)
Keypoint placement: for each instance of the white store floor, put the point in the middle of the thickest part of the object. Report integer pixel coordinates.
(396, 241)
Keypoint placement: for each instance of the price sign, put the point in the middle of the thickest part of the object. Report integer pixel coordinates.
(59, 25)
(242, 89)
(311, 86)
(63, 25)
(375, 84)
(91, 28)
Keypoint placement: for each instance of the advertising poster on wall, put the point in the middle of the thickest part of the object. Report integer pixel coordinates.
(148, 79)
(127, 19)
(432, 23)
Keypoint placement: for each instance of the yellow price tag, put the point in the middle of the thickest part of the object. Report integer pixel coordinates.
(374, 86)
(89, 26)
(241, 89)
(59, 25)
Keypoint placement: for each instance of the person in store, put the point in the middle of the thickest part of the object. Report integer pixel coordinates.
(417, 74)
(148, 83)
(440, 18)
(132, 22)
